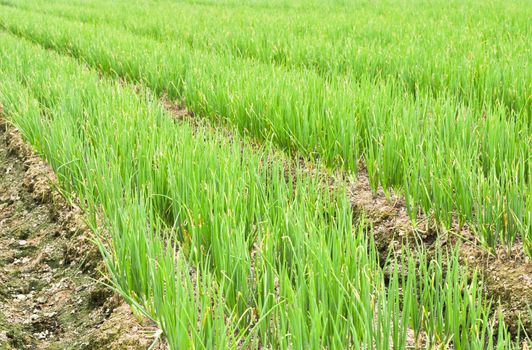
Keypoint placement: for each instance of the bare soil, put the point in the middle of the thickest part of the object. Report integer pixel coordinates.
(51, 295)
(507, 274)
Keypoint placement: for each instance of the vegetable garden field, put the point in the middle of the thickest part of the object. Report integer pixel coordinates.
(286, 174)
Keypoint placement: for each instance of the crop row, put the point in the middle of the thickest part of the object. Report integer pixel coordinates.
(451, 159)
(219, 242)
(426, 50)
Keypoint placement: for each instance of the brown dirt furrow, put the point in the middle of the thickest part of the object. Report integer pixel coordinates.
(50, 295)
(507, 274)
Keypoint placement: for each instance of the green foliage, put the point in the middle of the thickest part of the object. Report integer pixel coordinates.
(442, 115)
(221, 243)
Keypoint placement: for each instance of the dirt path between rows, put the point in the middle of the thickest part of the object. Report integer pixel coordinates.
(50, 297)
(507, 275)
